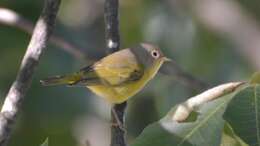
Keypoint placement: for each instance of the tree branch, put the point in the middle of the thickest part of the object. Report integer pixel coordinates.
(20, 86)
(112, 25)
(118, 135)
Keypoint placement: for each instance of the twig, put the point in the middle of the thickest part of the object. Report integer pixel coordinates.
(172, 69)
(11, 18)
(183, 110)
(118, 134)
(231, 21)
(20, 86)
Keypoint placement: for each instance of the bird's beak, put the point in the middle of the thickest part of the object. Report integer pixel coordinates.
(166, 59)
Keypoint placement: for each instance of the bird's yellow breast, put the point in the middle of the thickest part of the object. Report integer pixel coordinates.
(119, 94)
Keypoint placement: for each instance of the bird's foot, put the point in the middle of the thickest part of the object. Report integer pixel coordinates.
(120, 126)
(117, 122)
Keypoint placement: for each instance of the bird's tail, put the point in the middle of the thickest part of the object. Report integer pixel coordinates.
(61, 80)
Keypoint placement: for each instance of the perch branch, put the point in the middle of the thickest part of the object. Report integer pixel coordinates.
(20, 86)
(11, 18)
(112, 25)
(118, 134)
(184, 109)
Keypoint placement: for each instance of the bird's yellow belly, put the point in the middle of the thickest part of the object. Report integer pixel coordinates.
(121, 93)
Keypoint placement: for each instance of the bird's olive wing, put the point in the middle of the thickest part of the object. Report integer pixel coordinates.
(111, 71)
(111, 76)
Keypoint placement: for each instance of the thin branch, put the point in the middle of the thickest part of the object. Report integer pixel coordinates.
(172, 69)
(118, 134)
(20, 86)
(11, 18)
(183, 110)
(112, 25)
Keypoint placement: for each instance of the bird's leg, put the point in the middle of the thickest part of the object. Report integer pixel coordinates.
(118, 122)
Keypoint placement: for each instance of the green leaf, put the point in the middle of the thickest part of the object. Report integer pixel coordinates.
(46, 142)
(156, 135)
(205, 131)
(243, 113)
(200, 120)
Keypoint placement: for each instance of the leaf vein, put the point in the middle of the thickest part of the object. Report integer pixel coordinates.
(201, 123)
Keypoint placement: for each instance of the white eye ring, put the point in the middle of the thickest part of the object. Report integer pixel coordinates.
(155, 54)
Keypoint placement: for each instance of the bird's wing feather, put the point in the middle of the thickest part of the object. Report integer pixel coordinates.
(116, 69)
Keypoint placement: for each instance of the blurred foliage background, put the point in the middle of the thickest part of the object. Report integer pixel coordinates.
(72, 116)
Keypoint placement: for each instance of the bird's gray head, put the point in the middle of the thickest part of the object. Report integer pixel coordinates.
(148, 54)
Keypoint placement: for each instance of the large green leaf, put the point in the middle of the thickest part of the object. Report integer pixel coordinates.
(197, 121)
(243, 114)
(206, 130)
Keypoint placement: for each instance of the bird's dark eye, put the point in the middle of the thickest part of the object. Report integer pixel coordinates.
(155, 54)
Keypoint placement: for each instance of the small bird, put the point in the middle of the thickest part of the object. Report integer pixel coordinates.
(118, 76)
